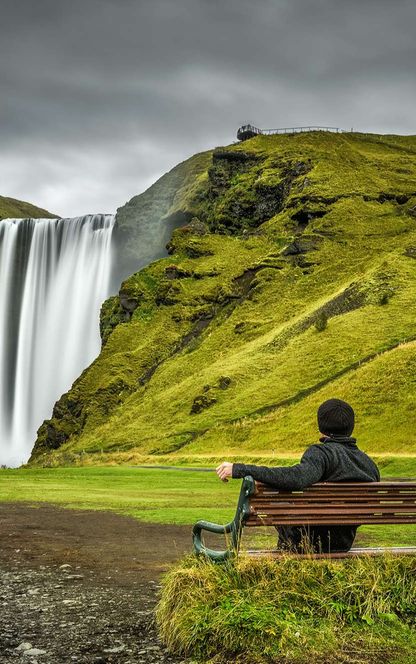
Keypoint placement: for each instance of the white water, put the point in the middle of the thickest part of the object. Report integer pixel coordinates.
(54, 276)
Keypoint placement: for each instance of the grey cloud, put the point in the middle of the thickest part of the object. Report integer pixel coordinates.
(98, 97)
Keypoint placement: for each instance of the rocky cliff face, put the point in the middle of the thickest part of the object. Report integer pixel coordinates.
(290, 278)
(146, 222)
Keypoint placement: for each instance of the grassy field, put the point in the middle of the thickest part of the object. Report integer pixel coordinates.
(164, 496)
(161, 496)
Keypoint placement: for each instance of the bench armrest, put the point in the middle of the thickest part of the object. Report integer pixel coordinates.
(233, 528)
(199, 546)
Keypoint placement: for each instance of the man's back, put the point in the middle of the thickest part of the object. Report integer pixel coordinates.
(345, 462)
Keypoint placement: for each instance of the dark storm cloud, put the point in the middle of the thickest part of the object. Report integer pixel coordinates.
(99, 97)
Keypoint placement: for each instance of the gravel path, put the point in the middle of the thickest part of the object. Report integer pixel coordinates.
(81, 586)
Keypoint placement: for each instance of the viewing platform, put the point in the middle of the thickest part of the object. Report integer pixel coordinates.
(249, 131)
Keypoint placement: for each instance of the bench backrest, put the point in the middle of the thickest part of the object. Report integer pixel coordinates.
(333, 503)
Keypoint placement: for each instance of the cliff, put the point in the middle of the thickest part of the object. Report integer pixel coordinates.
(145, 224)
(291, 278)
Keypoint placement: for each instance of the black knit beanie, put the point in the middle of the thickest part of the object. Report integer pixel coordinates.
(335, 417)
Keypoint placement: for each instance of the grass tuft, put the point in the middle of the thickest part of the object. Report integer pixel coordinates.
(293, 611)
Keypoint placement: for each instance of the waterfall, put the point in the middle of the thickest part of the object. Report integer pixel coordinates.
(54, 276)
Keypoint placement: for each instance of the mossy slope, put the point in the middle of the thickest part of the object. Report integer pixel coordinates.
(293, 279)
(14, 209)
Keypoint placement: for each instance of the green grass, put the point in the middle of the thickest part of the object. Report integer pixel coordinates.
(355, 611)
(166, 496)
(160, 496)
(10, 207)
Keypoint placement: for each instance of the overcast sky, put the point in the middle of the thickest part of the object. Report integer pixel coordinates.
(99, 98)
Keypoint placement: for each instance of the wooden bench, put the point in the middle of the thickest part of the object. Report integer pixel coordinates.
(328, 503)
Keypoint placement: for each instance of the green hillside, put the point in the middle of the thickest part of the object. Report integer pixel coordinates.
(14, 209)
(294, 279)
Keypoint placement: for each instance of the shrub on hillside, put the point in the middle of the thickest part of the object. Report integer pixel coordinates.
(321, 322)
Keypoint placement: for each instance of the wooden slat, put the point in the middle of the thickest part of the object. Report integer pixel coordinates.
(338, 509)
(360, 488)
(352, 553)
(334, 508)
(332, 499)
(343, 486)
(293, 498)
(271, 495)
(323, 486)
(334, 495)
(354, 520)
(335, 504)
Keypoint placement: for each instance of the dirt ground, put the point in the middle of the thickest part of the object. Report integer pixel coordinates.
(81, 586)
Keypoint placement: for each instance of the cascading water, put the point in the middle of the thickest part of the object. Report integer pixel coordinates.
(54, 276)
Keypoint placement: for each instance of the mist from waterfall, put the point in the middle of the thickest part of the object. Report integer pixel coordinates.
(54, 276)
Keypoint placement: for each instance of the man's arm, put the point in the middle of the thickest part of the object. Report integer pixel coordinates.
(310, 470)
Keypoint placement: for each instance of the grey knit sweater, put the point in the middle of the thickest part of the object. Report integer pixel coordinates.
(335, 459)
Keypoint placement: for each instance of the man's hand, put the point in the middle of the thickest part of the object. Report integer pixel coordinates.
(225, 470)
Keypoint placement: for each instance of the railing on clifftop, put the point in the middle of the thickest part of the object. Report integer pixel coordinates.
(249, 131)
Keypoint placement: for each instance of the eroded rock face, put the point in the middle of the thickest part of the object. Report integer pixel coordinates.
(226, 164)
(201, 402)
(224, 382)
(175, 272)
(111, 315)
(167, 293)
(410, 252)
(301, 246)
(209, 395)
(145, 223)
(128, 304)
(197, 227)
(303, 217)
(270, 199)
(401, 199)
(254, 199)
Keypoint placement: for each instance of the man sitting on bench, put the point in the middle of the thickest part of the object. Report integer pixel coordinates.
(335, 459)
